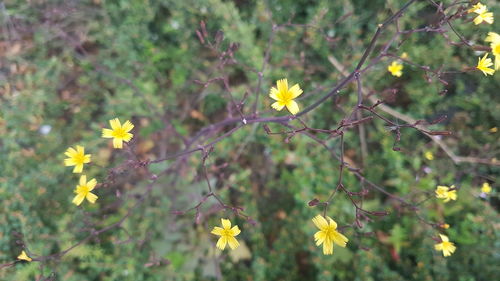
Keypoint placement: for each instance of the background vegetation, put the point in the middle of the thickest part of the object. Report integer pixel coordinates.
(67, 67)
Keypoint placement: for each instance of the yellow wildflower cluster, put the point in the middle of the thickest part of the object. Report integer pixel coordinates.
(327, 234)
(483, 15)
(446, 193)
(77, 157)
(484, 63)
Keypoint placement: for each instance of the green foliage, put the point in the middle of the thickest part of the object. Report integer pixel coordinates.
(73, 66)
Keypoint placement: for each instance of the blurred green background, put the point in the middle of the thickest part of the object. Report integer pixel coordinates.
(67, 67)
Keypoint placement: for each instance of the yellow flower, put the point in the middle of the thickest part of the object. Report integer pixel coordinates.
(119, 133)
(478, 9)
(486, 188)
(83, 190)
(428, 155)
(404, 55)
(494, 39)
(24, 257)
(396, 69)
(446, 246)
(445, 225)
(484, 63)
(444, 192)
(482, 14)
(226, 234)
(328, 234)
(76, 158)
(285, 97)
(493, 130)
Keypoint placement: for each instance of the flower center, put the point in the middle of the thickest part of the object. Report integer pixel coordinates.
(329, 231)
(446, 245)
(79, 158)
(84, 189)
(286, 96)
(119, 133)
(227, 232)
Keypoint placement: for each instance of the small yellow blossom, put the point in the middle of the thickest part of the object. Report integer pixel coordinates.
(285, 96)
(227, 235)
(445, 225)
(83, 190)
(486, 188)
(493, 130)
(484, 64)
(444, 192)
(328, 234)
(76, 158)
(119, 133)
(494, 39)
(429, 156)
(396, 69)
(24, 257)
(404, 55)
(478, 9)
(446, 246)
(482, 14)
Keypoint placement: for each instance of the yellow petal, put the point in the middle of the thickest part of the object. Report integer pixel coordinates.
(217, 231)
(331, 222)
(91, 197)
(23, 256)
(282, 85)
(70, 152)
(107, 133)
(478, 20)
(115, 124)
(488, 17)
(117, 143)
(492, 37)
(221, 243)
(293, 107)
(91, 184)
(69, 162)
(274, 94)
(328, 247)
(295, 90)
(78, 199)
(452, 195)
(226, 224)
(320, 222)
(340, 239)
(128, 137)
(127, 126)
(319, 237)
(438, 247)
(78, 168)
(236, 230)
(80, 149)
(443, 237)
(497, 62)
(278, 106)
(83, 180)
(86, 158)
(233, 243)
